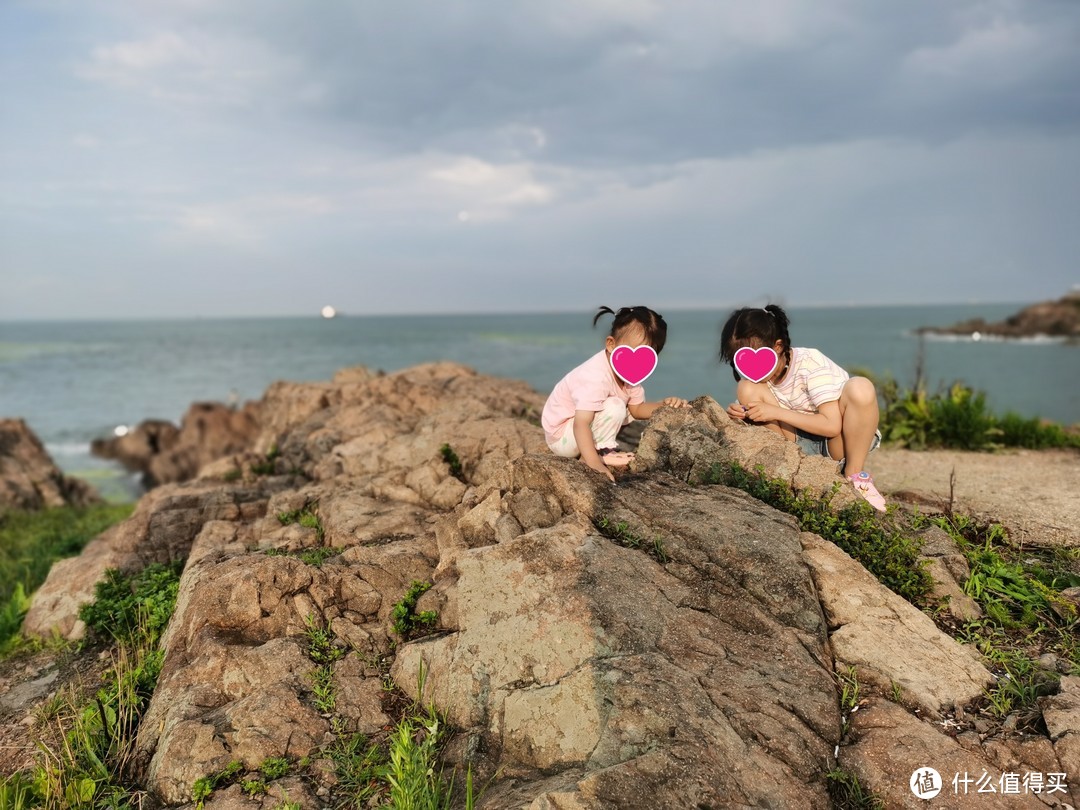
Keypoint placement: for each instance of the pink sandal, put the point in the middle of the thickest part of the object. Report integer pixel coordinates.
(864, 486)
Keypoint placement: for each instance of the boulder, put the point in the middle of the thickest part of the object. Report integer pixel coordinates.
(28, 477)
(700, 442)
(697, 674)
(888, 640)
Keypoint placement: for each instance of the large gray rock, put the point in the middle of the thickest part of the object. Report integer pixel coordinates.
(702, 681)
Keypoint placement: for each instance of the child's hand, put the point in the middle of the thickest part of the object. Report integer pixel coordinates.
(600, 467)
(761, 412)
(737, 411)
(675, 402)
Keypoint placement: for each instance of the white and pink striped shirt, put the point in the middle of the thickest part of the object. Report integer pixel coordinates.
(811, 380)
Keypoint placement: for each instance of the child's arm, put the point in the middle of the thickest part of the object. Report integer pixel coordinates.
(645, 410)
(586, 445)
(826, 422)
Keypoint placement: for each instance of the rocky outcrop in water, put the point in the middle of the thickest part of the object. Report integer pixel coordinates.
(166, 454)
(1058, 319)
(28, 477)
(661, 643)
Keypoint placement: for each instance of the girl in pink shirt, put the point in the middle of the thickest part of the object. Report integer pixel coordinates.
(584, 413)
(807, 398)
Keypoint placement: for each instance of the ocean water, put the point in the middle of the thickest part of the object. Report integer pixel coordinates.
(75, 381)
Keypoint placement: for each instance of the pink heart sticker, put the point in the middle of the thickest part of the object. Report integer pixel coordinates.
(756, 364)
(633, 365)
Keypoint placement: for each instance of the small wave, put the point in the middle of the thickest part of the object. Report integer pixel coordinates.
(68, 448)
(1029, 340)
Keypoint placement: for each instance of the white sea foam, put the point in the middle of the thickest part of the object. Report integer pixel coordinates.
(68, 448)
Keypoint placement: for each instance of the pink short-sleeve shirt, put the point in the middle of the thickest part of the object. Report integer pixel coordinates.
(585, 389)
(811, 381)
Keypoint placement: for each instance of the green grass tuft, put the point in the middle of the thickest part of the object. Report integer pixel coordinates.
(407, 622)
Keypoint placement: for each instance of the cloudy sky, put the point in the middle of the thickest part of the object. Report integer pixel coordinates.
(258, 157)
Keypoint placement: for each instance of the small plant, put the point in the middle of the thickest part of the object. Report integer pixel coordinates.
(232, 475)
(322, 682)
(307, 516)
(412, 774)
(622, 534)
(848, 794)
(452, 460)
(275, 767)
(849, 689)
(407, 622)
(321, 647)
(269, 466)
(204, 786)
(253, 787)
(129, 604)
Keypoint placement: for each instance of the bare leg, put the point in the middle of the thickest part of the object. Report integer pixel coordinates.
(747, 392)
(859, 419)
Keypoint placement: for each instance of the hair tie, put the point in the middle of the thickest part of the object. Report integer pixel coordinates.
(765, 310)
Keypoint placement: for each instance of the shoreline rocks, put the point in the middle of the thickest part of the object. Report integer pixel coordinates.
(1051, 319)
(167, 454)
(28, 477)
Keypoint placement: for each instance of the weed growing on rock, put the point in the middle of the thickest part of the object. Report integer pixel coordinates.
(622, 534)
(269, 466)
(90, 768)
(275, 767)
(848, 794)
(407, 622)
(400, 769)
(309, 556)
(883, 545)
(1025, 617)
(253, 787)
(307, 516)
(206, 785)
(128, 605)
(452, 460)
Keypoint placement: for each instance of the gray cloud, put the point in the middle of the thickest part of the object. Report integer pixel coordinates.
(420, 155)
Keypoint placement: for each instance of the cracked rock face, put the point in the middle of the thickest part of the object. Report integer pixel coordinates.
(595, 672)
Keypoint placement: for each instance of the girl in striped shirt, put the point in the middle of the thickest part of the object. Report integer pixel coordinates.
(807, 398)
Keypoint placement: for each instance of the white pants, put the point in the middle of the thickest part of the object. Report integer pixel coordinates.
(605, 427)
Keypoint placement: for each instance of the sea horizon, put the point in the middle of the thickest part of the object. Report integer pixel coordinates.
(74, 381)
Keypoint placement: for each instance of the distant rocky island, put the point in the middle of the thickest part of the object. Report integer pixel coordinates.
(1055, 319)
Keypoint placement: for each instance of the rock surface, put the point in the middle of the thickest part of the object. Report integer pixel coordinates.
(28, 477)
(622, 675)
(888, 640)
